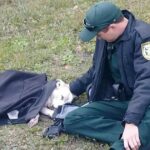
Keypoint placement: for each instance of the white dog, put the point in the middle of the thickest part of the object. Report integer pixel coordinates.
(60, 96)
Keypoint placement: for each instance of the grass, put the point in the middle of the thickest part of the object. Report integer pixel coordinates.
(42, 36)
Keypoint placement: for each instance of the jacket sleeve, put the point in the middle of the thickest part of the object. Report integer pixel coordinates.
(141, 94)
(79, 85)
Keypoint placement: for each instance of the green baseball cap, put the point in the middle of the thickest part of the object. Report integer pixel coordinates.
(98, 17)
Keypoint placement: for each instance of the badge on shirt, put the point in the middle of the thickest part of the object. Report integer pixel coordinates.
(146, 50)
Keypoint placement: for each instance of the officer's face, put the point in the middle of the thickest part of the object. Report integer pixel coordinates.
(108, 34)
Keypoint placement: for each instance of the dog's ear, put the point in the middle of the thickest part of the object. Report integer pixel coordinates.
(59, 83)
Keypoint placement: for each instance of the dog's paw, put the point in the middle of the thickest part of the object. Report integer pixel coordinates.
(33, 121)
(46, 111)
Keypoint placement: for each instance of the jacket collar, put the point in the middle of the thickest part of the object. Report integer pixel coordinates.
(131, 20)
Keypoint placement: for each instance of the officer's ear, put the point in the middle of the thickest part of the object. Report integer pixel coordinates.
(112, 26)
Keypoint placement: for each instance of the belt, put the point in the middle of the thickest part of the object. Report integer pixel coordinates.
(119, 92)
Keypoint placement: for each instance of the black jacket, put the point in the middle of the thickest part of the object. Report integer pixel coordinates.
(22, 91)
(134, 70)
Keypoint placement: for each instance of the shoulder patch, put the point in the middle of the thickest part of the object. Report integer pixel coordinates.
(146, 50)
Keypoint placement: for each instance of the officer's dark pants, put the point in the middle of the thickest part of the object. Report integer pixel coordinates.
(102, 120)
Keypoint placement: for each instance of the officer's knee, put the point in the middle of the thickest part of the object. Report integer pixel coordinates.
(70, 121)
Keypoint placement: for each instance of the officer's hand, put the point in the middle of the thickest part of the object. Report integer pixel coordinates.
(131, 137)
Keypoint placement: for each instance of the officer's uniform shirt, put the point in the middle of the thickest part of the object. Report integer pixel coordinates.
(113, 63)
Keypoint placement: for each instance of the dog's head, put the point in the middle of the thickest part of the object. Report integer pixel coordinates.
(60, 95)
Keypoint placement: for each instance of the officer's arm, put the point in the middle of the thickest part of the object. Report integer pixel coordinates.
(141, 94)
